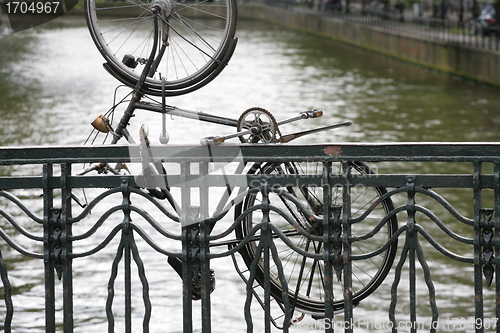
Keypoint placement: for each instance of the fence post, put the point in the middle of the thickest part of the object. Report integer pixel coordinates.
(190, 248)
(478, 270)
(346, 229)
(327, 240)
(48, 247)
(205, 271)
(496, 185)
(67, 248)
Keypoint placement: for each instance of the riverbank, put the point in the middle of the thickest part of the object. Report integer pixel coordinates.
(467, 62)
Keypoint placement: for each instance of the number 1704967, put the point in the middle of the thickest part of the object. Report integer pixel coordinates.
(31, 7)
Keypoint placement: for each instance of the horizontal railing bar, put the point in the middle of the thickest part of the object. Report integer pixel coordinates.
(460, 151)
(425, 181)
(336, 180)
(194, 181)
(7, 183)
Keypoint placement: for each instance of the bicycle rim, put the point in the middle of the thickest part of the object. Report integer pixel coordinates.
(196, 40)
(305, 275)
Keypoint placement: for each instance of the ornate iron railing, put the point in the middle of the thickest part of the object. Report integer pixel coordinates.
(446, 198)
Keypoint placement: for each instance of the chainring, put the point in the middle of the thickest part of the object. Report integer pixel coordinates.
(261, 123)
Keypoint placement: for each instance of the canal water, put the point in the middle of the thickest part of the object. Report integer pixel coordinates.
(52, 85)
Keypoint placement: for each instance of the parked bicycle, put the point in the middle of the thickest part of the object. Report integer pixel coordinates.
(167, 48)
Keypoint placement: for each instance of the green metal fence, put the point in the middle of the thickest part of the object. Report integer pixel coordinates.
(264, 207)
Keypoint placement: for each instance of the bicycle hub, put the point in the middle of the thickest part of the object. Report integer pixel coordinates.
(164, 8)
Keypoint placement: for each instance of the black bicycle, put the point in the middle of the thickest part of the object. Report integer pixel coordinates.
(166, 48)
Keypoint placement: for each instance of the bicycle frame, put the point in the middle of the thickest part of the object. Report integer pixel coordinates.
(255, 130)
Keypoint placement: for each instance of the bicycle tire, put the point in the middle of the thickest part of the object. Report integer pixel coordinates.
(303, 297)
(199, 41)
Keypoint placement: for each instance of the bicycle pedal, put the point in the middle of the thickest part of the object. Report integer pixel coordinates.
(210, 140)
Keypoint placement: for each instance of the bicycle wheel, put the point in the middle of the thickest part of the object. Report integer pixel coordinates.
(305, 275)
(195, 40)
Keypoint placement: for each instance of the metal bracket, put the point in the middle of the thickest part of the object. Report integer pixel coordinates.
(55, 243)
(336, 232)
(410, 205)
(487, 252)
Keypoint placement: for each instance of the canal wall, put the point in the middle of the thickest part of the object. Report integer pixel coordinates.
(468, 62)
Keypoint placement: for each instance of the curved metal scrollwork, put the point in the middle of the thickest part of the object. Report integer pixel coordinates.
(300, 243)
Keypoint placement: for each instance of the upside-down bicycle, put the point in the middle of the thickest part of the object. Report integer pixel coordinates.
(167, 48)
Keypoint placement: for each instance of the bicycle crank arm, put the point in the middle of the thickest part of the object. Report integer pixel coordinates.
(290, 137)
(302, 115)
(221, 139)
